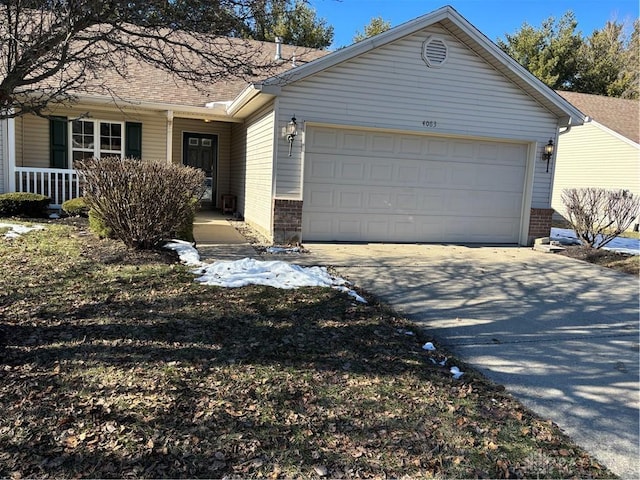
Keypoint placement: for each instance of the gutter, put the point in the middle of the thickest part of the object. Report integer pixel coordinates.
(249, 94)
(212, 110)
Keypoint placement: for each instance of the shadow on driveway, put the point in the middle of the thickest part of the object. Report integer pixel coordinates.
(560, 334)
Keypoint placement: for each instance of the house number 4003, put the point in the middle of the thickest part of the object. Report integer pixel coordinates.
(429, 123)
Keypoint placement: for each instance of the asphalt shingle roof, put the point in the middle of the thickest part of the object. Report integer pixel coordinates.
(618, 114)
(142, 82)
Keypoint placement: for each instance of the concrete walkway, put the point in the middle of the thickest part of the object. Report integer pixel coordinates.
(217, 239)
(559, 334)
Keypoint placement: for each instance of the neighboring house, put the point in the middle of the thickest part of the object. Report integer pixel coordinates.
(425, 133)
(604, 152)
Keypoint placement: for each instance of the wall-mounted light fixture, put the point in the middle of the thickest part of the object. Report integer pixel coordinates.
(548, 152)
(292, 131)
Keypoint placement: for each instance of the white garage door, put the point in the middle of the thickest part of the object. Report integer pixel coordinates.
(372, 186)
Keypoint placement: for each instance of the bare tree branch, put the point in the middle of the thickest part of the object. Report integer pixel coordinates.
(57, 50)
(598, 215)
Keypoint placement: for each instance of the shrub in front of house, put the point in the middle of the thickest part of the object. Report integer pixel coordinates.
(185, 230)
(76, 207)
(598, 215)
(141, 203)
(97, 225)
(24, 204)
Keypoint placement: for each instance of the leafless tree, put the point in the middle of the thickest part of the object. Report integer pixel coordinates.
(55, 50)
(598, 215)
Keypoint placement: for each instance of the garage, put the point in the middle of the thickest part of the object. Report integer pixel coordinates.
(377, 186)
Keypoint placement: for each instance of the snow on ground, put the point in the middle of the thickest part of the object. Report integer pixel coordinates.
(283, 250)
(186, 252)
(15, 229)
(248, 271)
(567, 236)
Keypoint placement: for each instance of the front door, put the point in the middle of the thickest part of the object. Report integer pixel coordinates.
(200, 150)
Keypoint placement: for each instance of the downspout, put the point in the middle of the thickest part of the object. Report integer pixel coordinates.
(169, 136)
(11, 152)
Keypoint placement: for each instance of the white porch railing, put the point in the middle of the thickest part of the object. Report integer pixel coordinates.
(57, 184)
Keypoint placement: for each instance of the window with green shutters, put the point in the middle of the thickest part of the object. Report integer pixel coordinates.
(88, 138)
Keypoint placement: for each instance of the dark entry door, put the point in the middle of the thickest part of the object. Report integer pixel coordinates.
(200, 150)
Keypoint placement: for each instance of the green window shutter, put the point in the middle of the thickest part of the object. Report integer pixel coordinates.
(58, 138)
(133, 140)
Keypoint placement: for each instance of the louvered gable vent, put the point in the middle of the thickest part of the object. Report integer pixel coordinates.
(434, 52)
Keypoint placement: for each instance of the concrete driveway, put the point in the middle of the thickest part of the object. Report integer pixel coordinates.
(559, 334)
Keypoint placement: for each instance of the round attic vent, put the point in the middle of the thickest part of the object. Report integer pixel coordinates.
(434, 52)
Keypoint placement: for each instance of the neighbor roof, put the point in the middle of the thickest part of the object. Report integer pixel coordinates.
(618, 114)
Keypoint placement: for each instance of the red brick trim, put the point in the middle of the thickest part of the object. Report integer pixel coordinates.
(540, 223)
(287, 221)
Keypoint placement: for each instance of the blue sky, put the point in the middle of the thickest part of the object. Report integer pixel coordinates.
(494, 18)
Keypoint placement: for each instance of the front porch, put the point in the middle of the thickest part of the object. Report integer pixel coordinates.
(37, 154)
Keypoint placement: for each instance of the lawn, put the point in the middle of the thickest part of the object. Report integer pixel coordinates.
(114, 363)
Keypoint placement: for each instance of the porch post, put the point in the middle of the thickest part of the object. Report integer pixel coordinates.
(11, 153)
(169, 136)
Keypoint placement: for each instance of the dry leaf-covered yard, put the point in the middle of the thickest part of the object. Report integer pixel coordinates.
(114, 363)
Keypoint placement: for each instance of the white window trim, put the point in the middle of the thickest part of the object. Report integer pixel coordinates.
(96, 139)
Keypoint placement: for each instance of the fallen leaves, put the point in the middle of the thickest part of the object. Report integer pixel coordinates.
(119, 366)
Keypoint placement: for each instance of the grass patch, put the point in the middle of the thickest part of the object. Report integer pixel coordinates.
(116, 364)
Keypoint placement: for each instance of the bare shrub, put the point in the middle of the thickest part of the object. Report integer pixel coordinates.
(598, 215)
(141, 203)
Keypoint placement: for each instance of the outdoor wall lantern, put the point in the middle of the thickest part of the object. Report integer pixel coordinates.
(292, 131)
(548, 152)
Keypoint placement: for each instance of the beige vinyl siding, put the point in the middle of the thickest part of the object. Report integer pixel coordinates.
(223, 131)
(592, 156)
(392, 88)
(259, 171)
(32, 133)
(238, 164)
(32, 142)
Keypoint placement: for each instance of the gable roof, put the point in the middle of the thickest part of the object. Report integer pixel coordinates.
(457, 26)
(618, 114)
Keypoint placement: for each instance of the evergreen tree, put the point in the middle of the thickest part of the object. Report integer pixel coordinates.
(376, 25)
(605, 63)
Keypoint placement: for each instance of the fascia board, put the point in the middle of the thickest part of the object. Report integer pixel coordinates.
(217, 113)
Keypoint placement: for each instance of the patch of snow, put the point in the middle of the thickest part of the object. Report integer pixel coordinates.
(455, 371)
(351, 293)
(566, 236)
(283, 250)
(187, 253)
(15, 229)
(248, 271)
(428, 346)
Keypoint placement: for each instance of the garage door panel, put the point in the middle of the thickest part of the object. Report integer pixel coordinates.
(372, 186)
(486, 230)
(382, 143)
(350, 200)
(379, 201)
(323, 169)
(321, 198)
(352, 170)
(355, 141)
